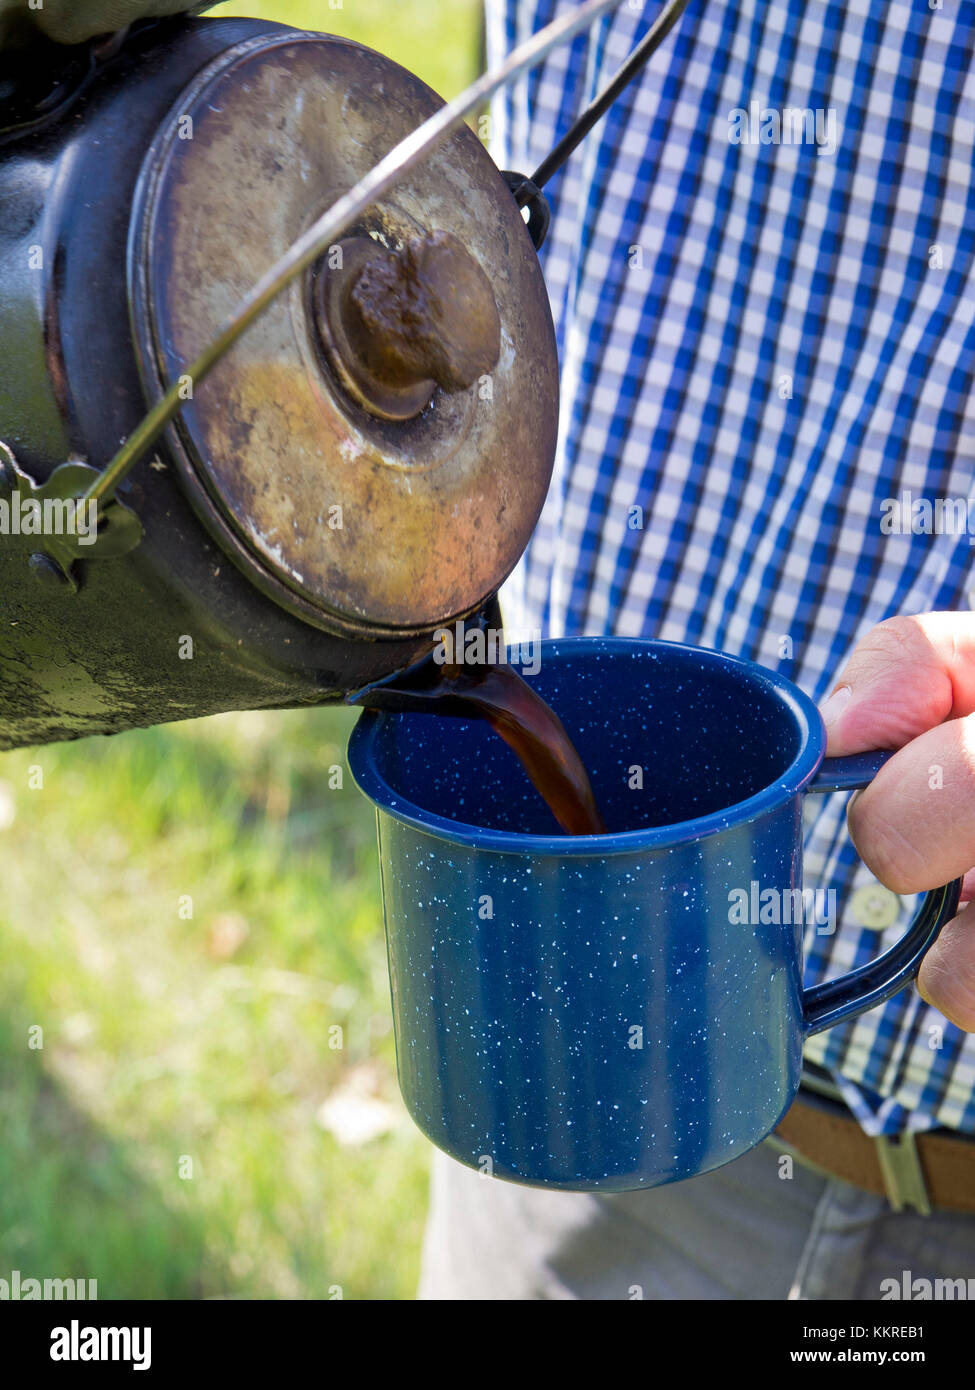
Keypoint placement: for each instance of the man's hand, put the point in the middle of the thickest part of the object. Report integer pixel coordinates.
(910, 685)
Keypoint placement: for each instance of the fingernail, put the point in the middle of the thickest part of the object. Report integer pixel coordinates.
(835, 705)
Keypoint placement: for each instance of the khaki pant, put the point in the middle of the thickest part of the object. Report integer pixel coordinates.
(743, 1232)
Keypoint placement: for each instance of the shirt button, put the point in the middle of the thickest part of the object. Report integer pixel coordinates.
(875, 907)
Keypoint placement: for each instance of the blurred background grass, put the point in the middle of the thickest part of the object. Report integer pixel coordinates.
(189, 1127)
(437, 39)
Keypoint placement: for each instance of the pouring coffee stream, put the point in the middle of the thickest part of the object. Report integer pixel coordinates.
(516, 713)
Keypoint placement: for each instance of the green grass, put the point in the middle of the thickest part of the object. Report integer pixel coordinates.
(168, 1037)
(166, 1139)
(436, 39)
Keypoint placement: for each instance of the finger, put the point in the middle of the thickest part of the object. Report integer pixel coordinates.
(968, 887)
(947, 975)
(907, 675)
(914, 825)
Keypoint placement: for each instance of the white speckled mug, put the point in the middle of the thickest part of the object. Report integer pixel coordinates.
(594, 1011)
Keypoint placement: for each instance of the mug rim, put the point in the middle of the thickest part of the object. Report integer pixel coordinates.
(796, 777)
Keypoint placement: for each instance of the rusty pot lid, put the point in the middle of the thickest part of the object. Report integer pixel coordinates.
(375, 451)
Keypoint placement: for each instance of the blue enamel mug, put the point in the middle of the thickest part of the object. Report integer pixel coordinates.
(624, 1010)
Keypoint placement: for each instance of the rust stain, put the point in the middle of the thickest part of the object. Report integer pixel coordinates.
(436, 509)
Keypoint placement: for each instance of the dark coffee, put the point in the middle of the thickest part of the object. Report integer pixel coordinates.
(529, 726)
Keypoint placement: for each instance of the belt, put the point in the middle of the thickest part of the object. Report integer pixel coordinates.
(931, 1170)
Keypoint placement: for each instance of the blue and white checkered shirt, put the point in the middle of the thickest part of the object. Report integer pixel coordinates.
(760, 342)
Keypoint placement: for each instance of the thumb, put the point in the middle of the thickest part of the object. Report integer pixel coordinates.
(906, 676)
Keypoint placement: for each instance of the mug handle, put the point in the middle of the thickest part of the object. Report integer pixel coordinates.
(834, 1001)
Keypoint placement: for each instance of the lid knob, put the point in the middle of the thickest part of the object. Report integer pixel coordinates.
(397, 324)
